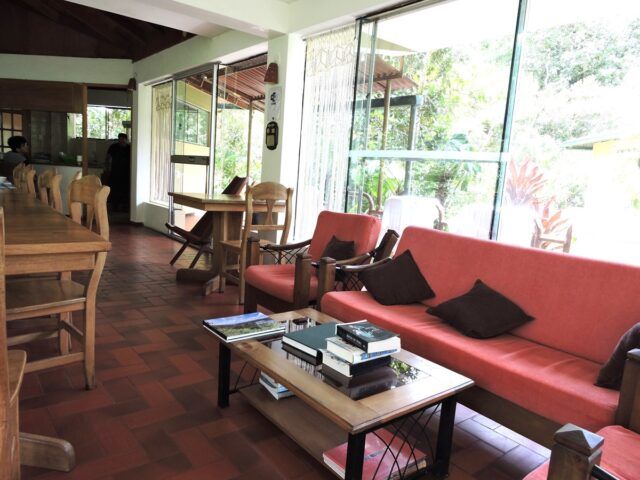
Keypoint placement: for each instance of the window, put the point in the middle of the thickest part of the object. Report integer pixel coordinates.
(11, 124)
(192, 124)
(431, 98)
(103, 122)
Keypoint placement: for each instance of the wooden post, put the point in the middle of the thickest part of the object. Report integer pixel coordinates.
(326, 278)
(628, 414)
(85, 131)
(385, 127)
(249, 138)
(574, 454)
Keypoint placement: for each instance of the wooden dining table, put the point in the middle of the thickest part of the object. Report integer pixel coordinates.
(38, 239)
(228, 213)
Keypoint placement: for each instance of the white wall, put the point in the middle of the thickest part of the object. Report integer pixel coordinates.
(66, 69)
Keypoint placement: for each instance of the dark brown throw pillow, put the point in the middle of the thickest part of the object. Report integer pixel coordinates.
(481, 312)
(397, 282)
(610, 375)
(339, 249)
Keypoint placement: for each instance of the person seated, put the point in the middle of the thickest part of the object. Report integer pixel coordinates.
(19, 150)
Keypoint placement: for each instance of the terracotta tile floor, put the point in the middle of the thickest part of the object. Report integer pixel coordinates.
(153, 414)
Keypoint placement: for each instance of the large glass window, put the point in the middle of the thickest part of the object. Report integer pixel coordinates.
(429, 119)
(240, 121)
(573, 182)
(11, 124)
(103, 122)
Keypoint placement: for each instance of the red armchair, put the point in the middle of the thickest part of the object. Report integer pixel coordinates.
(293, 282)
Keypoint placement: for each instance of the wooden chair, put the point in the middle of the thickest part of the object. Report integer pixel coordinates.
(270, 193)
(24, 179)
(551, 241)
(49, 189)
(200, 235)
(31, 298)
(16, 447)
(12, 366)
(613, 452)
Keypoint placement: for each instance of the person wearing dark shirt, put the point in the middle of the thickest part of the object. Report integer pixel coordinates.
(18, 154)
(118, 171)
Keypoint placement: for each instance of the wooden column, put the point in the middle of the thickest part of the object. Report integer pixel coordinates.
(85, 131)
(249, 137)
(574, 454)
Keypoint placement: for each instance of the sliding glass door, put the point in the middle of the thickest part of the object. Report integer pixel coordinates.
(431, 95)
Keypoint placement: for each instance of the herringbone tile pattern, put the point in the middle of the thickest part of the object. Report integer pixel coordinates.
(154, 415)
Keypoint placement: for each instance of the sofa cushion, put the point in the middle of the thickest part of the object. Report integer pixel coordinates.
(619, 455)
(552, 383)
(481, 312)
(610, 375)
(581, 306)
(362, 229)
(397, 282)
(278, 280)
(339, 249)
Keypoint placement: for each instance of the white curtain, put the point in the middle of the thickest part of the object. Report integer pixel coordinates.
(161, 142)
(326, 126)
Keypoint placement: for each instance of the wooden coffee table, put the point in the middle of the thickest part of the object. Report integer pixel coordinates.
(321, 417)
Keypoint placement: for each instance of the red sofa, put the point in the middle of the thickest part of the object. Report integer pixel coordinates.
(540, 376)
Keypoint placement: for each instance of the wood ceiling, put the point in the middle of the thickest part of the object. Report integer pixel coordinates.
(56, 27)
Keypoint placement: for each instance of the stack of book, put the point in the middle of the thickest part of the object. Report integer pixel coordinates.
(358, 358)
(308, 343)
(277, 390)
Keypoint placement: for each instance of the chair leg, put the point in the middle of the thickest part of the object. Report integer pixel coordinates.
(90, 346)
(197, 257)
(250, 300)
(64, 339)
(223, 270)
(180, 252)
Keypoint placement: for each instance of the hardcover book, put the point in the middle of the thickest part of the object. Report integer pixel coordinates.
(352, 354)
(368, 337)
(348, 369)
(301, 355)
(360, 386)
(310, 340)
(243, 327)
(380, 462)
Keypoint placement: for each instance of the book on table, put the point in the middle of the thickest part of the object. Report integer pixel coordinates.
(380, 462)
(309, 341)
(349, 370)
(277, 390)
(359, 386)
(368, 337)
(352, 354)
(244, 327)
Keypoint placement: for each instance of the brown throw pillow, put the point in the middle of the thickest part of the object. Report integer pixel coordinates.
(339, 249)
(481, 312)
(397, 282)
(610, 375)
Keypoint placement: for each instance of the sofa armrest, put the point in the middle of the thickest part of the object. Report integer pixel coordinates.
(302, 281)
(575, 454)
(289, 246)
(628, 414)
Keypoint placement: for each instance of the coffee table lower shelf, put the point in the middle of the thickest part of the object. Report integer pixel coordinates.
(313, 432)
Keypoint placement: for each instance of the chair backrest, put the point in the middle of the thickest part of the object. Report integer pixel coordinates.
(17, 176)
(49, 189)
(23, 179)
(364, 230)
(235, 186)
(88, 192)
(271, 193)
(4, 359)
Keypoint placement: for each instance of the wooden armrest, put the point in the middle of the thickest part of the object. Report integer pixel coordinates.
(362, 268)
(289, 246)
(302, 281)
(628, 413)
(575, 453)
(359, 260)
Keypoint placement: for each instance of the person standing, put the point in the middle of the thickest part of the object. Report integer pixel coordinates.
(19, 150)
(118, 171)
